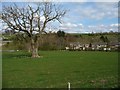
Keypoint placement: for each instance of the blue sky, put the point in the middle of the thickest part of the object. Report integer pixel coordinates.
(86, 17)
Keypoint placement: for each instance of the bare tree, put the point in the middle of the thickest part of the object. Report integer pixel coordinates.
(31, 21)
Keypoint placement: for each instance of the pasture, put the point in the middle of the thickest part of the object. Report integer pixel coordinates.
(83, 69)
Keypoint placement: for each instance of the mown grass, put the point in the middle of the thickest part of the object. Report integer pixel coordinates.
(57, 68)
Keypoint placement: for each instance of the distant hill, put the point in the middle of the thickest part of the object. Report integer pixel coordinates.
(95, 37)
(52, 41)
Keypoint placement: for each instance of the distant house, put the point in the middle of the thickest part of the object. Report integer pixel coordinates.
(67, 48)
(99, 46)
(75, 46)
(114, 45)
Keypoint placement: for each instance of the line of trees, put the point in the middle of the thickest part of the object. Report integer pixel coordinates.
(58, 41)
(49, 41)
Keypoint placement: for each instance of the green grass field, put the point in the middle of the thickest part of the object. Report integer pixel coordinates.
(57, 68)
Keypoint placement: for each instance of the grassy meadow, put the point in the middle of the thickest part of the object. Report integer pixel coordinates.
(83, 69)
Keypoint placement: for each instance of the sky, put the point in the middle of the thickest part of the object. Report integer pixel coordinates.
(91, 17)
(84, 16)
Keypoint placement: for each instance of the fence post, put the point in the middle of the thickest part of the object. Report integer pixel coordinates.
(68, 85)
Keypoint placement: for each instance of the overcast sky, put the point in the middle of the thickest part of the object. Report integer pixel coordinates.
(86, 17)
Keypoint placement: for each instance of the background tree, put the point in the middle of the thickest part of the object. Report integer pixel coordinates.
(104, 39)
(31, 21)
(61, 33)
(61, 39)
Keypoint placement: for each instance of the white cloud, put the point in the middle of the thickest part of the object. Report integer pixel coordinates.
(80, 28)
(106, 28)
(42, 18)
(70, 26)
(115, 25)
(97, 10)
(80, 24)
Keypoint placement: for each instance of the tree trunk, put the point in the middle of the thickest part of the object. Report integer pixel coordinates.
(34, 49)
(35, 52)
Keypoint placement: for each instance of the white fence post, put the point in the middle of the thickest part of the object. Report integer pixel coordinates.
(68, 85)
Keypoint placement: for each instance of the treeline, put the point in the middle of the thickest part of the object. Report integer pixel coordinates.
(49, 41)
(58, 41)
